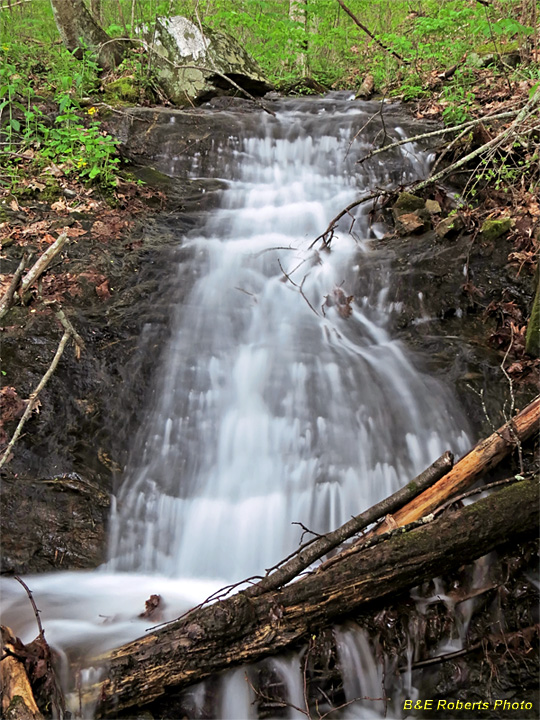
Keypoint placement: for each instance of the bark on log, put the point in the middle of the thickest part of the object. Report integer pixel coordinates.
(242, 629)
(486, 455)
(18, 701)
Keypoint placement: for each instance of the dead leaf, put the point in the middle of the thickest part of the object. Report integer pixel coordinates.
(151, 605)
(11, 405)
(103, 291)
(74, 231)
(54, 170)
(35, 228)
(59, 206)
(340, 301)
(48, 238)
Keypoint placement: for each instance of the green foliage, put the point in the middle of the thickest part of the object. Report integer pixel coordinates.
(73, 139)
(459, 99)
(316, 38)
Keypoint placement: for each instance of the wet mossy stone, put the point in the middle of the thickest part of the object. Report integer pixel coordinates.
(407, 203)
(124, 88)
(493, 229)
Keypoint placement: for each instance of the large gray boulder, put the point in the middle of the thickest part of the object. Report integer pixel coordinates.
(191, 65)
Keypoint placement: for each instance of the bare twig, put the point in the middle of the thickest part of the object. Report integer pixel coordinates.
(33, 397)
(66, 324)
(56, 695)
(300, 287)
(509, 420)
(11, 5)
(477, 491)
(34, 606)
(434, 133)
(307, 531)
(332, 224)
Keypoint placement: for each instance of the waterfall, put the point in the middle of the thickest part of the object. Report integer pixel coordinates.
(278, 400)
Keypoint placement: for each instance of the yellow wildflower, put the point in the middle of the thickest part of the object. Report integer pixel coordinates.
(92, 110)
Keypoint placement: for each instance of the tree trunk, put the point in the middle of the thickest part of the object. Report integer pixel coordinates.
(78, 28)
(241, 629)
(96, 10)
(298, 13)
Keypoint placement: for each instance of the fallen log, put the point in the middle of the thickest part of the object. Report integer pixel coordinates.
(314, 549)
(484, 456)
(18, 701)
(241, 629)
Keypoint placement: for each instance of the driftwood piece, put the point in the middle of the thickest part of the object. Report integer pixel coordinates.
(478, 461)
(18, 701)
(242, 629)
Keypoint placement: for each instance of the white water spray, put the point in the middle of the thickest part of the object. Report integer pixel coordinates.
(273, 407)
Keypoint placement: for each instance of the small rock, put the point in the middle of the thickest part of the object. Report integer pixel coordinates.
(449, 226)
(433, 207)
(493, 229)
(410, 223)
(407, 203)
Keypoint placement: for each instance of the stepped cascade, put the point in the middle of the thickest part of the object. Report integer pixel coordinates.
(279, 399)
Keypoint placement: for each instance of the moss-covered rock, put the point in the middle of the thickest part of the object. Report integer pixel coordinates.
(493, 229)
(124, 89)
(407, 203)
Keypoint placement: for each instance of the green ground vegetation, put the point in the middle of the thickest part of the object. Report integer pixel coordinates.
(49, 99)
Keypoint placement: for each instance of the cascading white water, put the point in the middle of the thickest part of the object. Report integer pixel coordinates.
(272, 407)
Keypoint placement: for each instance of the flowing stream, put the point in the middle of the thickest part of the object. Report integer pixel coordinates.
(278, 399)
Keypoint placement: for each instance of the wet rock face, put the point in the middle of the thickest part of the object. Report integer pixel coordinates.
(53, 523)
(191, 65)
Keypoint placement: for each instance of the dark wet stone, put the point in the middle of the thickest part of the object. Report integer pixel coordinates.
(52, 523)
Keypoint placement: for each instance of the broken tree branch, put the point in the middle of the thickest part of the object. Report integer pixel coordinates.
(315, 548)
(42, 263)
(371, 35)
(243, 629)
(479, 460)
(528, 109)
(33, 397)
(435, 133)
(8, 298)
